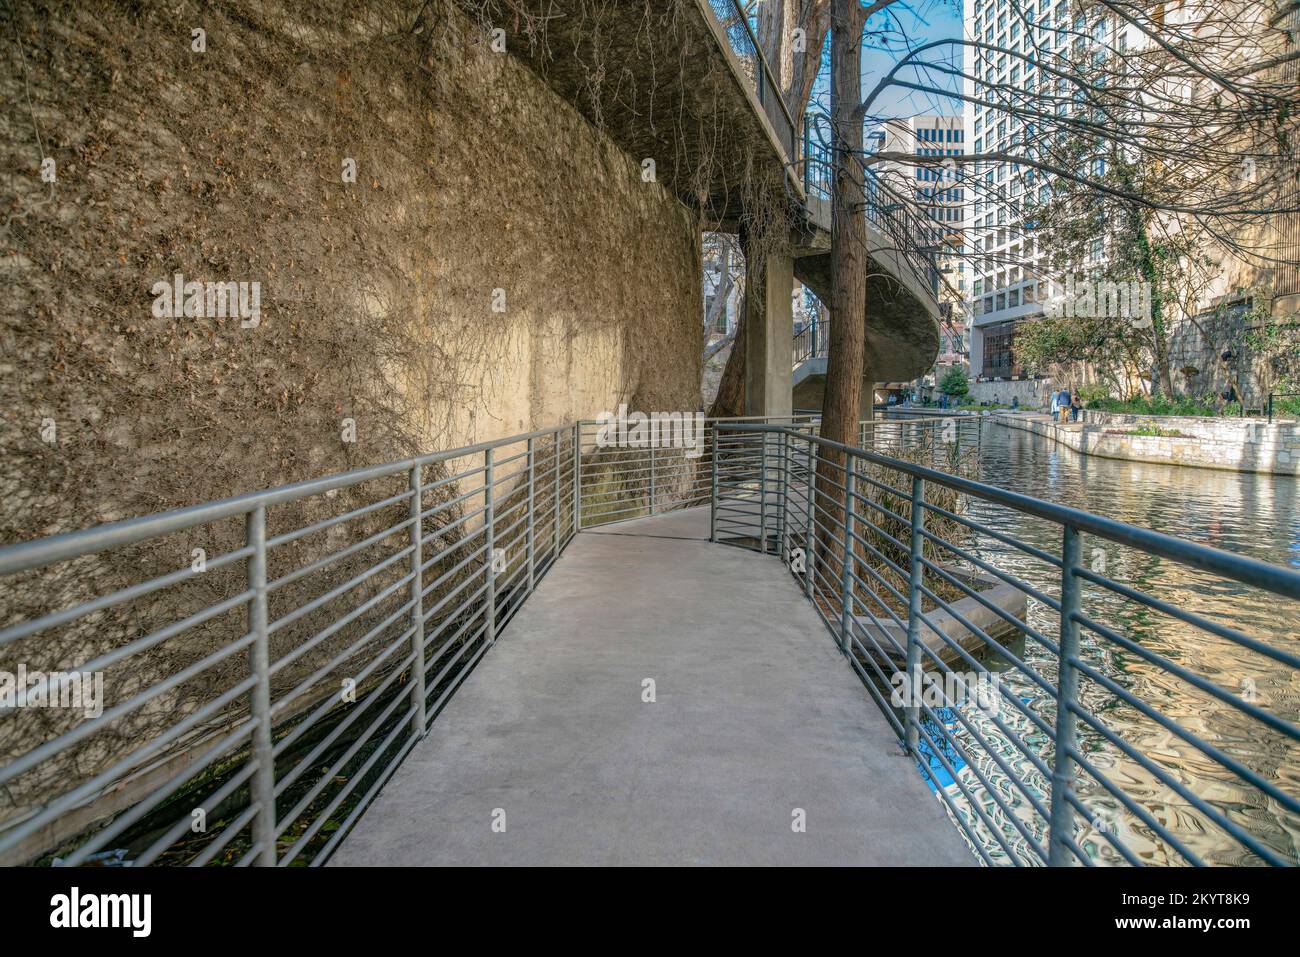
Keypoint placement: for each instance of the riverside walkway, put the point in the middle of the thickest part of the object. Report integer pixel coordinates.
(548, 754)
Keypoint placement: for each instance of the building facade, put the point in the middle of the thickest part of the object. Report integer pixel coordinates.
(1010, 279)
(938, 194)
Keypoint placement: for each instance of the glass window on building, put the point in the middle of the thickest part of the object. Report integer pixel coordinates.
(999, 357)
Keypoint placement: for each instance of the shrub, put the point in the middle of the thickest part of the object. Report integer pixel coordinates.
(954, 382)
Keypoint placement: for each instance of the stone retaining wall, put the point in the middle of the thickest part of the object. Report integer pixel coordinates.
(1240, 444)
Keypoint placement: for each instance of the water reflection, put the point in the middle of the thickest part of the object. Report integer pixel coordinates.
(1255, 515)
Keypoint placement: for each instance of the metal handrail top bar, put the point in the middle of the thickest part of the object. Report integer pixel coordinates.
(761, 419)
(1241, 568)
(55, 548)
(762, 59)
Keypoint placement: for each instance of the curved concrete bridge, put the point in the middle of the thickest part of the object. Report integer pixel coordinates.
(693, 92)
(549, 753)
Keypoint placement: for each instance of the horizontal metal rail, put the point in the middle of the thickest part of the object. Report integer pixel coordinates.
(916, 238)
(744, 44)
(250, 706)
(1022, 676)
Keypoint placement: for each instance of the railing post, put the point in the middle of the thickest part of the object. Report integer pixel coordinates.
(809, 546)
(263, 783)
(917, 577)
(577, 476)
(783, 546)
(713, 486)
(417, 605)
(531, 534)
(807, 151)
(652, 476)
(555, 480)
(1067, 694)
(762, 499)
(846, 585)
(489, 545)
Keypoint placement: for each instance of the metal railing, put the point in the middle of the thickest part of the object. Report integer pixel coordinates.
(916, 238)
(641, 473)
(744, 44)
(810, 342)
(818, 155)
(1271, 397)
(253, 702)
(1058, 711)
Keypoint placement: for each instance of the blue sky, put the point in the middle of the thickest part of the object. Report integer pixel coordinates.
(917, 22)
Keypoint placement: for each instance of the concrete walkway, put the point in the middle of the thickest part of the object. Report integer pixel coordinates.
(757, 714)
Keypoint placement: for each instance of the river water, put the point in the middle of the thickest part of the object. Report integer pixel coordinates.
(1255, 515)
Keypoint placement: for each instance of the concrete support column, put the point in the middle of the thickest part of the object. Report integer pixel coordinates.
(769, 333)
(976, 349)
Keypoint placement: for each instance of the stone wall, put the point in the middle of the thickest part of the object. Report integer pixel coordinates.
(1237, 444)
(1195, 360)
(497, 265)
(1032, 393)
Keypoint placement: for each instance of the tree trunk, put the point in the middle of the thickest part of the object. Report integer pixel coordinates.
(776, 23)
(816, 21)
(720, 296)
(730, 400)
(845, 360)
(714, 348)
(845, 354)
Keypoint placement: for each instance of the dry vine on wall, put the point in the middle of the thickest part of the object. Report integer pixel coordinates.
(376, 293)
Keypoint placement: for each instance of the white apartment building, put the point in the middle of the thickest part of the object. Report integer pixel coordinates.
(1010, 280)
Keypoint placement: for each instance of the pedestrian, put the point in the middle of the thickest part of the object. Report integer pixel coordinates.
(1075, 407)
(1063, 403)
(1056, 401)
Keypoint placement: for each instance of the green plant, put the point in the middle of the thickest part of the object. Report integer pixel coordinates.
(1161, 405)
(955, 382)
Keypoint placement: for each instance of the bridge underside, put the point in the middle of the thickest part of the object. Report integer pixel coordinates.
(663, 81)
(902, 311)
(756, 715)
(660, 79)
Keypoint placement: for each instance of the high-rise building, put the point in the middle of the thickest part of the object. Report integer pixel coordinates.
(1009, 281)
(941, 200)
